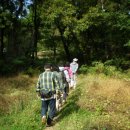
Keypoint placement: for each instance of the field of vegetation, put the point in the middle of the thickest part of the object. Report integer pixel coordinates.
(100, 102)
(35, 32)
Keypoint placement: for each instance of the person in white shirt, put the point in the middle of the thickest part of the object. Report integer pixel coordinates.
(74, 67)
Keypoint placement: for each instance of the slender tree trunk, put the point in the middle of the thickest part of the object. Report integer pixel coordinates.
(34, 53)
(66, 48)
(2, 42)
(12, 42)
(80, 54)
(54, 50)
(64, 41)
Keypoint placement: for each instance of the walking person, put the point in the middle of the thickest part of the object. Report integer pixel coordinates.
(47, 86)
(64, 77)
(60, 77)
(74, 67)
(69, 73)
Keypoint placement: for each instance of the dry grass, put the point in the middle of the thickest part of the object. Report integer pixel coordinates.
(106, 96)
(15, 92)
(108, 100)
(7, 85)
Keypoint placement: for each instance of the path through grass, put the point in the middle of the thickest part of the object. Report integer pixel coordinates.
(98, 103)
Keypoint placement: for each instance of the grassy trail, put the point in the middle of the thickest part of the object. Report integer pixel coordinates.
(98, 103)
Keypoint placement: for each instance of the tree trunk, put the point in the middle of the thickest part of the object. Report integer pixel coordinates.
(66, 48)
(2, 43)
(34, 53)
(54, 50)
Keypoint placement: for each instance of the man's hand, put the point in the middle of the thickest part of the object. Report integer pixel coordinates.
(38, 94)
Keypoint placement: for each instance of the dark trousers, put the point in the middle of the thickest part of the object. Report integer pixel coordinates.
(49, 107)
(66, 91)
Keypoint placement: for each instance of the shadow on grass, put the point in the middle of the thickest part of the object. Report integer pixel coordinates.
(71, 105)
(107, 127)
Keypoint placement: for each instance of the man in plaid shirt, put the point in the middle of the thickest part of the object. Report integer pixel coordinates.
(47, 86)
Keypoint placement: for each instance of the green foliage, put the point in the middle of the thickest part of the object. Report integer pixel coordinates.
(127, 44)
(5, 68)
(99, 67)
(32, 71)
(98, 29)
(83, 69)
(18, 62)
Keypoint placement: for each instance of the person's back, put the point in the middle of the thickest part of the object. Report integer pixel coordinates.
(46, 81)
(62, 78)
(74, 67)
(47, 86)
(64, 82)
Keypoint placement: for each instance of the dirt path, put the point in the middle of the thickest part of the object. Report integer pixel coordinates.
(56, 118)
(49, 128)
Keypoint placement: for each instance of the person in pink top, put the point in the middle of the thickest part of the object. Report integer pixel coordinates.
(68, 73)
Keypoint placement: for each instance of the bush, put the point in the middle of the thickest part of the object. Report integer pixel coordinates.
(98, 68)
(31, 71)
(111, 71)
(5, 68)
(83, 69)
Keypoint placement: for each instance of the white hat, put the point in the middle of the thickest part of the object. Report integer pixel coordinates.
(61, 68)
(75, 59)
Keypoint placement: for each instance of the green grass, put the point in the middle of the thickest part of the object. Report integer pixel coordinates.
(28, 119)
(91, 106)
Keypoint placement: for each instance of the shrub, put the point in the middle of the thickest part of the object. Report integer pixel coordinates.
(83, 69)
(99, 67)
(31, 71)
(111, 71)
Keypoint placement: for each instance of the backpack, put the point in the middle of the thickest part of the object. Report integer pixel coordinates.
(62, 75)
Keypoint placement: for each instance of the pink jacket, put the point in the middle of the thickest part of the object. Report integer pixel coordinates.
(69, 71)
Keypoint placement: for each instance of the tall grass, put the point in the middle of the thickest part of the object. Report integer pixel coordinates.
(15, 93)
(19, 106)
(107, 97)
(98, 103)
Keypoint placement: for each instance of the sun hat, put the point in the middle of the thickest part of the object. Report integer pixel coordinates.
(75, 59)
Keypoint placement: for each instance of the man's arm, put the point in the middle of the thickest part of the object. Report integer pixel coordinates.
(38, 87)
(56, 82)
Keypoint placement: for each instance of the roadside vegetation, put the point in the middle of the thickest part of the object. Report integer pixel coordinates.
(100, 102)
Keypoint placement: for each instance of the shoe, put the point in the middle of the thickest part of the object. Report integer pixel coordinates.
(44, 120)
(52, 123)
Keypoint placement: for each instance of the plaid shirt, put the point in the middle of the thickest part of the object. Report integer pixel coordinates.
(47, 81)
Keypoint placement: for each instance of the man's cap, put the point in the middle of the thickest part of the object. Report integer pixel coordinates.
(75, 59)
